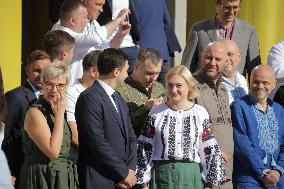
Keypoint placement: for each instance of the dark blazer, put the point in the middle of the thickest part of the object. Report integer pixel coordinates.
(204, 32)
(18, 100)
(107, 143)
(106, 16)
(155, 27)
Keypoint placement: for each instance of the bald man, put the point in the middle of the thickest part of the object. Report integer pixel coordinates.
(235, 83)
(258, 134)
(214, 97)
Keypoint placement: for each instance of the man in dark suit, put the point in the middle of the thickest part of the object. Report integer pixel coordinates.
(18, 100)
(110, 10)
(107, 157)
(156, 31)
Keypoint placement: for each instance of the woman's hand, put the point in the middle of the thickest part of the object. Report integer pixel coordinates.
(59, 106)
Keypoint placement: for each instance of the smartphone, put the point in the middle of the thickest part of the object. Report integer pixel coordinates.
(126, 18)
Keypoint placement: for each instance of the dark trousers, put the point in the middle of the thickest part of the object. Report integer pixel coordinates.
(131, 53)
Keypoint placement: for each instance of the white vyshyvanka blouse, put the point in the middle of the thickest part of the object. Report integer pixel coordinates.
(179, 135)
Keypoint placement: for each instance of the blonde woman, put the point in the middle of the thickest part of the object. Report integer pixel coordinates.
(177, 139)
(46, 136)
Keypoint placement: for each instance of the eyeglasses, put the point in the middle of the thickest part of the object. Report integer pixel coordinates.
(59, 87)
(228, 8)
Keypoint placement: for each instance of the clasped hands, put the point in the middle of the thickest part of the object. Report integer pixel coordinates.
(129, 181)
(271, 178)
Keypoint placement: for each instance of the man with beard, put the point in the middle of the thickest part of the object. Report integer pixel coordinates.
(214, 97)
(223, 26)
(18, 100)
(141, 91)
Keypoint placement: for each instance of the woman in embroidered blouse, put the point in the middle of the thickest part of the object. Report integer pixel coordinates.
(177, 138)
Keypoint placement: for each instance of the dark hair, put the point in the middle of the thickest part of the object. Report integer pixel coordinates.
(2, 101)
(38, 55)
(90, 60)
(55, 41)
(110, 59)
(148, 54)
(67, 9)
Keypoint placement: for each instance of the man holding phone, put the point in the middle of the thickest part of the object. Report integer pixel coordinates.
(129, 44)
(140, 90)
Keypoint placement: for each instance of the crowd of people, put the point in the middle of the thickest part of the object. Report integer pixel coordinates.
(103, 108)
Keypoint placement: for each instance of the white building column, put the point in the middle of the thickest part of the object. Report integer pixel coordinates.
(178, 11)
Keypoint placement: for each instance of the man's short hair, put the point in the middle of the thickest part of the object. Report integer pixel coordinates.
(90, 60)
(148, 54)
(110, 59)
(56, 41)
(37, 55)
(67, 9)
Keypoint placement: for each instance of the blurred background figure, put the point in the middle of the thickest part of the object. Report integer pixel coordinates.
(5, 175)
(156, 31)
(235, 83)
(276, 61)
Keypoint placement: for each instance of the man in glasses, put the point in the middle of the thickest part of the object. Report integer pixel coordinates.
(225, 25)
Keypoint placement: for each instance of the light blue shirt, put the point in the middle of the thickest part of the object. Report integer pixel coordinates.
(237, 91)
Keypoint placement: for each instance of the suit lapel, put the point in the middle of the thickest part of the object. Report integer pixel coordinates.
(212, 31)
(29, 94)
(236, 31)
(110, 4)
(124, 116)
(109, 105)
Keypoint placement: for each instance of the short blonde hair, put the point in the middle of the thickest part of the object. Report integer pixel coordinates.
(186, 75)
(54, 70)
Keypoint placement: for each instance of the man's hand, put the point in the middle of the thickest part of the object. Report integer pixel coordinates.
(124, 29)
(122, 15)
(226, 157)
(129, 181)
(13, 180)
(271, 178)
(151, 103)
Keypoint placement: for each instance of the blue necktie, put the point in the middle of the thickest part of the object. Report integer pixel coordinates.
(115, 99)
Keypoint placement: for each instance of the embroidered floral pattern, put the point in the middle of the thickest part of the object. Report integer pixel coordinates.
(267, 126)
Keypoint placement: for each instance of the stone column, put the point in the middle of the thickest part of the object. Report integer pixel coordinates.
(178, 11)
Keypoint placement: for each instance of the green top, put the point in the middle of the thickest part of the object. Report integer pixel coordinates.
(135, 95)
(39, 171)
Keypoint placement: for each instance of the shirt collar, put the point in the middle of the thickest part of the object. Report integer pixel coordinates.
(106, 87)
(35, 90)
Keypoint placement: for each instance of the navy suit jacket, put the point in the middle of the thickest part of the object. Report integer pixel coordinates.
(18, 100)
(107, 143)
(155, 27)
(106, 16)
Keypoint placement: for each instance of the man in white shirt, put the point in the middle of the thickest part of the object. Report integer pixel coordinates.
(276, 61)
(111, 9)
(90, 74)
(59, 45)
(73, 19)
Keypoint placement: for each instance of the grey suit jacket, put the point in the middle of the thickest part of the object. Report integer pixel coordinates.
(204, 32)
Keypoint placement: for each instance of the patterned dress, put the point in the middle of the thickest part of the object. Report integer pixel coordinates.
(185, 136)
(39, 171)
